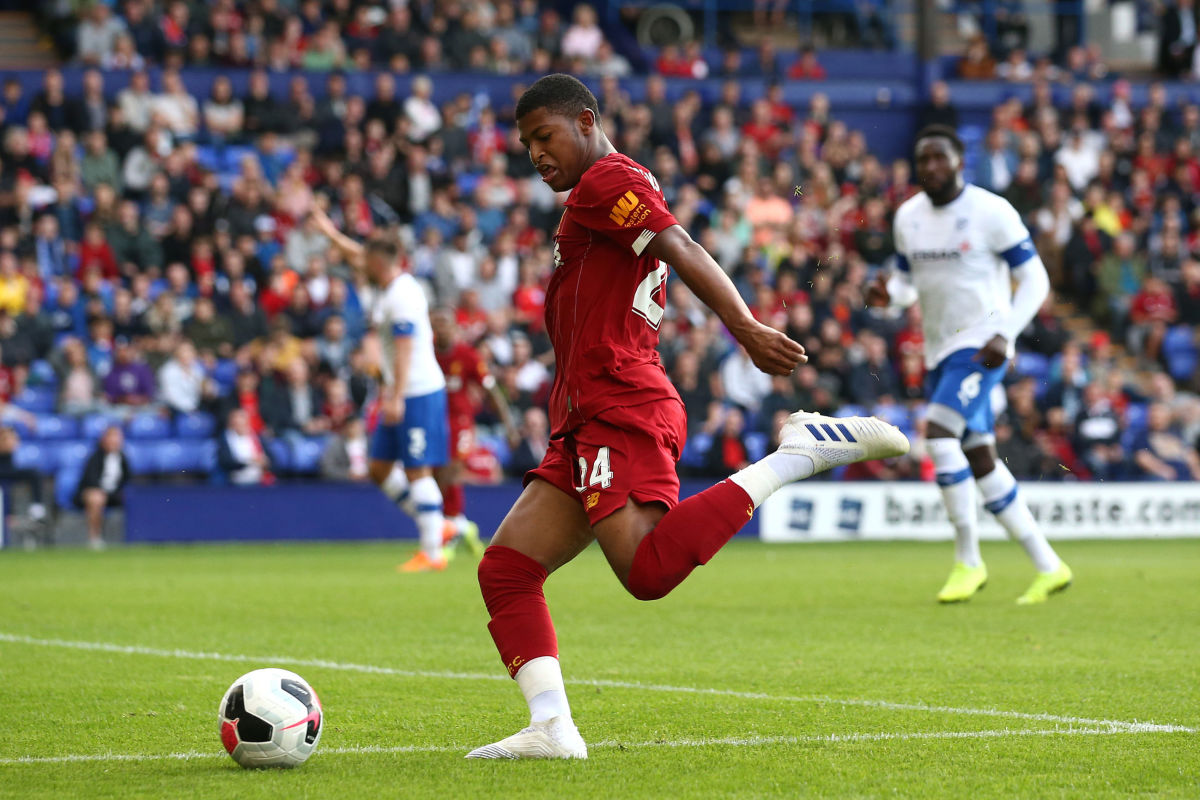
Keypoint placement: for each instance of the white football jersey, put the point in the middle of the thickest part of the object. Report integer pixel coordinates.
(401, 309)
(958, 257)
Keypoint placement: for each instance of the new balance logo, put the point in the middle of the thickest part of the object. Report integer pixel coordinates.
(830, 433)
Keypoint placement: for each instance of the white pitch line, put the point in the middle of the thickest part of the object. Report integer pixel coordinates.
(732, 741)
(108, 647)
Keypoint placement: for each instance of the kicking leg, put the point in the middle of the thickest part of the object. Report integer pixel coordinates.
(1002, 498)
(545, 529)
(653, 550)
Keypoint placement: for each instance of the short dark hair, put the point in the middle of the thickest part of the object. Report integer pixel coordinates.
(943, 131)
(384, 247)
(558, 94)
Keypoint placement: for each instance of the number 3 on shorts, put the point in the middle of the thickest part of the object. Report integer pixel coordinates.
(601, 471)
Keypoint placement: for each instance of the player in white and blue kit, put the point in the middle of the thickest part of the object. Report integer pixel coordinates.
(960, 249)
(413, 432)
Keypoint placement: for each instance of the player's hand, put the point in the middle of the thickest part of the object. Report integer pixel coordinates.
(993, 353)
(877, 292)
(392, 409)
(771, 351)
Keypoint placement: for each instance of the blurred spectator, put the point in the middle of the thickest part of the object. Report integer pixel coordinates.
(999, 163)
(208, 331)
(1160, 453)
(1178, 24)
(745, 385)
(78, 388)
(182, 383)
(12, 475)
(939, 110)
(240, 454)
(345, 454)
(535, 434)
(103, 483)
(130, 382)
(294, 405)
(583, 37)
(977, 63)
(728, 453)
(806, 67)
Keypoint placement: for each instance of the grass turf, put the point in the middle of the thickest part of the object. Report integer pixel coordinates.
(790, 624)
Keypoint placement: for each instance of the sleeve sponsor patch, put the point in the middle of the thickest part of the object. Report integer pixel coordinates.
(629, 211)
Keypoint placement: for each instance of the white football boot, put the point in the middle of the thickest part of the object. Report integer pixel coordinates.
(554, 738)
(836, 441)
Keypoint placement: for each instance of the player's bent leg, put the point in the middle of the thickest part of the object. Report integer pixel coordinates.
(1003, 499)
(545, 529)
(667, 547)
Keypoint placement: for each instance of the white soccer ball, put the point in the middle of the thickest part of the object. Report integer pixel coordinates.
(270, 718)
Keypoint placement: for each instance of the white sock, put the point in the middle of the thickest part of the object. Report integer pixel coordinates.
(958, 495)
(763, 478)
(395, 487)
(427, 498)
(460, 523)
(1001, 497)
(541, 682)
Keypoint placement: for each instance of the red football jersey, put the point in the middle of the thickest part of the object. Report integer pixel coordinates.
(605, 299)
(462, 367)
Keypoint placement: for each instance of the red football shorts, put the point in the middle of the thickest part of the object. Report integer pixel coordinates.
(462, 437)
(622, 453)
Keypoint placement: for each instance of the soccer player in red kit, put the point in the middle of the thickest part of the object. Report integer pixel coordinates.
(466, 376)
(617, 423)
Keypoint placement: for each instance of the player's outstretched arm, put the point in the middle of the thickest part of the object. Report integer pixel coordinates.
(769, 349)
(354, 253)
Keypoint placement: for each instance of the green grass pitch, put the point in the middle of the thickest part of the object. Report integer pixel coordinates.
(832, 673)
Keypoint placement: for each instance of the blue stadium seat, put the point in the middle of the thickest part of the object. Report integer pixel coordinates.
(279, 454)
(756, 445)
(851, 410)
(70, 454)
(195, 426)
(148, 426)
(143, 456)
(696, 449)
(225, 374)
(306, 454)
(37, 399)
(1135, 417)
(1033, 365)
(93, 425)
(41, 373)
(497, 446)
(35, 456)
(176, 456)
(893, 415)
(208, 456)
(1180, 352)
(55, 426)
(66, 480)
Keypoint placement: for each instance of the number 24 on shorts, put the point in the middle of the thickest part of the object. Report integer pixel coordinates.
(601, 474)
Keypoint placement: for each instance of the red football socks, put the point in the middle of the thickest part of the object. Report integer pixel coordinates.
(689, 535)
(453, 501)
(511, 583)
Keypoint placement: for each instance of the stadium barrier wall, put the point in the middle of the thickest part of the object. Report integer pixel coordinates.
(300, 511)
(841, 512)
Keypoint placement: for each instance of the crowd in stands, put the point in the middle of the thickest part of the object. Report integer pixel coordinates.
(159, 266)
